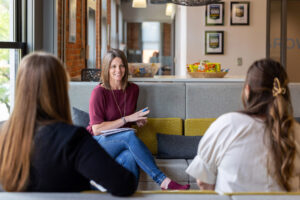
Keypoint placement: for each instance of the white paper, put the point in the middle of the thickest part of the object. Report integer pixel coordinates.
(117, 130)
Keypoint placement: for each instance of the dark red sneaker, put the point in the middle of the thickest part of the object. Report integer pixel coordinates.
(175, 186)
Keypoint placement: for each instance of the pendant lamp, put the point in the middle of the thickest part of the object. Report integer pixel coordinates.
(194, 2)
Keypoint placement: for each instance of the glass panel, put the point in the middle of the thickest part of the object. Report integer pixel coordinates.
(151, 41)
(91, 38)
(9, 60)
(275, 25)
(293, 40)
(6, 20)
(103, 28)
(148, 37)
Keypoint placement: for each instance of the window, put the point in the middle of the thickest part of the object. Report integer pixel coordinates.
(151, 41)
(11, 51)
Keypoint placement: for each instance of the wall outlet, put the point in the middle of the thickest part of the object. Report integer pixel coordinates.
(239, 61)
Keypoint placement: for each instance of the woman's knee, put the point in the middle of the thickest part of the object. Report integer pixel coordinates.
(126, 159)
(126, 155)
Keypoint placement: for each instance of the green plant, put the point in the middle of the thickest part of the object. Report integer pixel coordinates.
(4, 82)
(4, 54)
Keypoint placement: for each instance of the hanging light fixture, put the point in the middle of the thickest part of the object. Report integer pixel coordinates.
(139, 4)
(194, 2)
(169, 9)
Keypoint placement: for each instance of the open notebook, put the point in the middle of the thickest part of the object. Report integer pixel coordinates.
(116, 130)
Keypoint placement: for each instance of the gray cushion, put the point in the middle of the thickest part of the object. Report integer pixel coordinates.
(210, 100)
(297, 119)
(80, 118)
(80, 93)
(177, 146)
(164, 100)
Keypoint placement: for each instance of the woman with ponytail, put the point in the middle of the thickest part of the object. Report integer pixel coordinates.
(257, 149)
(40, 149)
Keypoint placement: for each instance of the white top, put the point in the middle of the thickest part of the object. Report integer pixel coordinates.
(234, 155)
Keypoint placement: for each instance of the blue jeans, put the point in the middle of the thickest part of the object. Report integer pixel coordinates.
(129, 151)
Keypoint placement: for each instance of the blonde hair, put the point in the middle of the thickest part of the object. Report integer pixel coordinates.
(41, 97)
(108, 57)
(269, 97)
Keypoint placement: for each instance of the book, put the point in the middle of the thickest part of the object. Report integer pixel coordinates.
(116, 130)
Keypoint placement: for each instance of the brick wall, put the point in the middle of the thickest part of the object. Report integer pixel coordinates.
(72, 54)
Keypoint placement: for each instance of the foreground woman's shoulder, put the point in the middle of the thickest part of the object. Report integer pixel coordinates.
(68, 129)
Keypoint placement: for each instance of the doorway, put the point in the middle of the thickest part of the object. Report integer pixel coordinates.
(284, 35)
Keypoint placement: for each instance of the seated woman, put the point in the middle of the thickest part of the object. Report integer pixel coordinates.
(112, 105)
(40, 148)
(257, 149)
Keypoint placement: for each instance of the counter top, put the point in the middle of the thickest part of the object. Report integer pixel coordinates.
(186, 79)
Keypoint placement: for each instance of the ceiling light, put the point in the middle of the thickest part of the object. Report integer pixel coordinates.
(169, 9)
(139, 4)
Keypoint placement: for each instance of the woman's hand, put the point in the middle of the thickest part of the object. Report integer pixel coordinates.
(141, 122)
(137, 116)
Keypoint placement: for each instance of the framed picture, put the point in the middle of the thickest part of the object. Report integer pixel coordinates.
(72, 21)
(240, 13)
(214, 42)
(214, 14)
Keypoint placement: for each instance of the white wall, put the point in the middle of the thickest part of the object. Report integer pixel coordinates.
(180, 40)
(247, 42)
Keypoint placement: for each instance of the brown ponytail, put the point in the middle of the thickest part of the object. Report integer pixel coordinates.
(269, 97)
(280, 123)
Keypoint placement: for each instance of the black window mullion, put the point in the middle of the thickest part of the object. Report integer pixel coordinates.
(14, 45)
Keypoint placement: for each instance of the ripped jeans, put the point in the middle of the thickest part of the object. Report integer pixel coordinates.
(129, 151)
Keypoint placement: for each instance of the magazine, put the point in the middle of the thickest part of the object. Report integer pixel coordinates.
(116, 130)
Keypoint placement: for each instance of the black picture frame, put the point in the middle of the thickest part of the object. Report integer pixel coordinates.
(214, 14)
(214, 42)
(240, 13)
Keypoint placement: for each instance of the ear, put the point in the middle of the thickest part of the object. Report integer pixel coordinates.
(247, 91)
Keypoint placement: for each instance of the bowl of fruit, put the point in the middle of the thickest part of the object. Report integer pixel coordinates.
(206, 69)
(143, 69)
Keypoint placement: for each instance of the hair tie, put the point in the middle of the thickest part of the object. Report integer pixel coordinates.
(277, 89)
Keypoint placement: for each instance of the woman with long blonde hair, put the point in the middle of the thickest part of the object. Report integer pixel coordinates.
(113, 105)
(40, 149)
(257, 149)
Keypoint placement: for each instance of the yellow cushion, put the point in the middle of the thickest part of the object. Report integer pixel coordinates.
(194, 127)
(171, 126)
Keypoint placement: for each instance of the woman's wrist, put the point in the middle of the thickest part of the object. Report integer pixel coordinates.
(124, 120)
